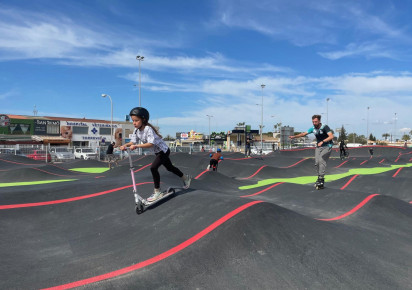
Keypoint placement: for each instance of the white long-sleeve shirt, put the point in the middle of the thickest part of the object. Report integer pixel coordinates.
(148, 135)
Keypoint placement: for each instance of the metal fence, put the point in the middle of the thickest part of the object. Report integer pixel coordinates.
(64, 153)
(61, 153)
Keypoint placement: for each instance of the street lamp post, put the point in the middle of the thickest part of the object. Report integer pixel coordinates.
(367, 126)
(327, 111)
(261, 123)
(209, 116)
(111, 119)
(140, 59)
(394, 132)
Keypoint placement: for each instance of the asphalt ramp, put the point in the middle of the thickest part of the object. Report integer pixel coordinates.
(256, 223)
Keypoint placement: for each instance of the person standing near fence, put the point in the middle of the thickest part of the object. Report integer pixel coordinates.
(247, 148)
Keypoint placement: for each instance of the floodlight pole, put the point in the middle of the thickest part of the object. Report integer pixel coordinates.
(261, 123)
(140, 59)
(111, 119)
(327, 111)
(367, 125)
(209, 116)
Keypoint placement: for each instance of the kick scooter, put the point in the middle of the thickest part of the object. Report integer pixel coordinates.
(141, 203)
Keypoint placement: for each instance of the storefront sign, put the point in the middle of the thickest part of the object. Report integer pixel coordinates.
(4, 121)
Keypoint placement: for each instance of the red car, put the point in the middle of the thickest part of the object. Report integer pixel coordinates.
(39, 155)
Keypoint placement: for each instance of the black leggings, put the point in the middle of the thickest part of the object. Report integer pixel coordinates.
(163, 158)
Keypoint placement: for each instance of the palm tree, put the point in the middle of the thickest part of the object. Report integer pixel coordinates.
(386, 135)
(277, 126)
(406, 137)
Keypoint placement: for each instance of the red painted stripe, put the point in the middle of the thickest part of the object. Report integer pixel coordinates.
(255, 172)
(364, 162)
(49, 172)
(266, 189)
(397, 171)
(245, 158)
(381, 160)
(201, 174)
(350, 180)
(295, 163)
(143, 167)
(396, 160)
(18, 162)
(238, 158)
(302, 149)
(51, 202)
(341, 164)
(140, 158)
(353, 210)
(161, 256)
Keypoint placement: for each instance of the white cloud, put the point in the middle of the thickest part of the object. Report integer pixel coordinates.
(326, 23)
(8, 95)
(39, 36)
(368, 50)
(372, 85)
(29, 35)
(293, 101)
(405, 130)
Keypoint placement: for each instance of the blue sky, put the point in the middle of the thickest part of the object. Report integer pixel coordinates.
(210, 58)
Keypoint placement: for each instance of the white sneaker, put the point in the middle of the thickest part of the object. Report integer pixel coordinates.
(186, 181)
(208, 167)
(156, 195)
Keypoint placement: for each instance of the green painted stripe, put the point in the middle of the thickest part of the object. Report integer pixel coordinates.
(332, 177)
(33, 182)
(91, 169)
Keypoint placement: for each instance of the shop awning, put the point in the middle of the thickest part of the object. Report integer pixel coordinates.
(51, 139)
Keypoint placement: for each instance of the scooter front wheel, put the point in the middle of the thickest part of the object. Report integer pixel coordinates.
(139, 208)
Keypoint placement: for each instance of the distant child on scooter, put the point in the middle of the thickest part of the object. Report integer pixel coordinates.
(214, 160)
(150, 138)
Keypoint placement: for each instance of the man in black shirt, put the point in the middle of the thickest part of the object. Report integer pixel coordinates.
(109, 153)
(110, 148)
(342, 149)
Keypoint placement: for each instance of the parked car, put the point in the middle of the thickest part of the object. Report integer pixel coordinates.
(6, 151)
(85, 153)
(61, 154)
(39, 155)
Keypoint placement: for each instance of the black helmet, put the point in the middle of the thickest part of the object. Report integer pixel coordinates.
(140, 112)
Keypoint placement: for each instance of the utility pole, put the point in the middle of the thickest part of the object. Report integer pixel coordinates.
(261, 124)
(140, 59)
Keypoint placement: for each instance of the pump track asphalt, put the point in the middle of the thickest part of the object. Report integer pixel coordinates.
(256, 223)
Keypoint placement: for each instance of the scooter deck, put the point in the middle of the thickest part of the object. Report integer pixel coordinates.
(141, 206)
